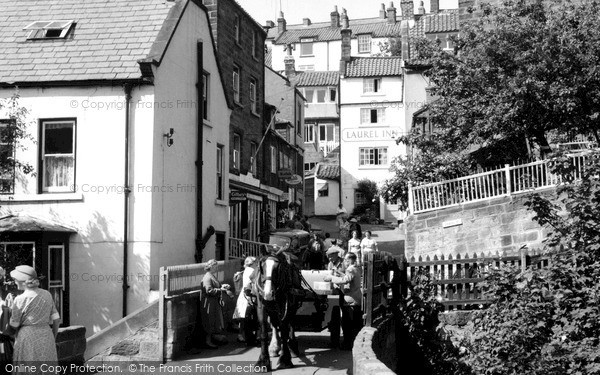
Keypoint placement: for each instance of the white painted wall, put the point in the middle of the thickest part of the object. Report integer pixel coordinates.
(326, 205)
(326, 54)
(355, 135)
(162, 179)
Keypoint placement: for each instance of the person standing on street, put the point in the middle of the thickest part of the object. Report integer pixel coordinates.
(341, 215)
(352, 309)
(31, 313)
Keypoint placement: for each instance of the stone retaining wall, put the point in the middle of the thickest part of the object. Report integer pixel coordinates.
(374, 350)
(500, 225)
(70, 345)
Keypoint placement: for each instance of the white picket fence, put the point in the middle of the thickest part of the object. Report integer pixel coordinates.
(506, 181)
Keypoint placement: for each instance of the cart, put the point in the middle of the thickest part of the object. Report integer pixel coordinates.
(320, 308)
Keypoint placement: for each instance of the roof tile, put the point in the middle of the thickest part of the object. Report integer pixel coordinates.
(331, 78)
(374, 67)
(101, 28)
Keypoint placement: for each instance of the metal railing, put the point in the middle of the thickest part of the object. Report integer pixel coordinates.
(240, 249)
(505, 181)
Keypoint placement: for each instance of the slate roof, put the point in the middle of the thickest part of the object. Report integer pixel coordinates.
(328, 172)
(323, 31)
(374, 67)
(331, 78)
(107, 39)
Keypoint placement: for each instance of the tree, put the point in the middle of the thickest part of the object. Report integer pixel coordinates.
(521, 73)
(547, 321)
(12, 131)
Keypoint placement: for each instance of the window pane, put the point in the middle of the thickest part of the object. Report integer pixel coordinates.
(322, 133)
(309, 93)
(332, 94)
(365, 115)
(320, 96)
(373, 116)
(306, 48)
(58, 138)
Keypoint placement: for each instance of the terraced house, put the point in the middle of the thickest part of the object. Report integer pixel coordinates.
(358, 99)
(130, 136)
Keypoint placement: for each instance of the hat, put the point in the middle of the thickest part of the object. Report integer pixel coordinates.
(23, 273)
(353, 220)
(334, 250)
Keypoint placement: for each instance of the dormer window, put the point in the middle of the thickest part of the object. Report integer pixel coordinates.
(48, 29)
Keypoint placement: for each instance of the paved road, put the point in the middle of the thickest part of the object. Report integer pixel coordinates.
(317, 357)
(388, 238)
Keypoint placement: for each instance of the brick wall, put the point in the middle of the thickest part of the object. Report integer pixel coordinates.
(500, 225)
(249, 126)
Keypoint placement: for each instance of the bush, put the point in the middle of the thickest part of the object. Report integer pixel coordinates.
(547, 321)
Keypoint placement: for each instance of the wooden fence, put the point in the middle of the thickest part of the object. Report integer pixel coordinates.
(382, 273)
(457, 278)
(501, 182)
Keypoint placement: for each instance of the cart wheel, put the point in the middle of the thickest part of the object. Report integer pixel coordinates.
(334, 327)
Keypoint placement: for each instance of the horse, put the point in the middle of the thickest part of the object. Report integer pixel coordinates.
(279, 291)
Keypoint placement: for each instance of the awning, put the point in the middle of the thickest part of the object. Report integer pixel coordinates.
(20, 222)
(324, 187)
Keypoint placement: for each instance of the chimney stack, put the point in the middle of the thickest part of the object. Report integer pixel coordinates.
(306, 21)
(346, 40)
(434, 6)
(289, 62)
(421, 10)
(335, 17)
(391, 13)
(404, 46)
(281, 24)
(269, 25)
(408, 9)
(382, 14)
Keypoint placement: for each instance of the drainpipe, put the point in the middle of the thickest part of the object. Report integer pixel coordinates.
(127, 89)
(200, 243)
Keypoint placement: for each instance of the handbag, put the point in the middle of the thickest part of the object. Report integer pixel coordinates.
(6, 342)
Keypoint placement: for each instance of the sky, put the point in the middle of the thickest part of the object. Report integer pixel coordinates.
(319, 10)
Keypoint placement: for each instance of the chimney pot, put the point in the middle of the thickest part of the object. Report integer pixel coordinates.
(421, 9)
(306, 21)
(434, 6)
(281, 24)
(391, 13)
(335, 17)
(382, 14)
(270, 24)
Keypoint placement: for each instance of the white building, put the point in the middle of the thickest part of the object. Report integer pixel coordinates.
(128, 150)
(372, 117)
(376, 96)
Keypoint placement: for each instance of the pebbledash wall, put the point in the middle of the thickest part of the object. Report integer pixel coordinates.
(500, 225)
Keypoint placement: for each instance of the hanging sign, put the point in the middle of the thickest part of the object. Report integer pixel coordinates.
(238, 196)
(294, 180)
(285, 173)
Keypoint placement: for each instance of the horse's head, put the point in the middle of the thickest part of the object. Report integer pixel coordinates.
(271, 277)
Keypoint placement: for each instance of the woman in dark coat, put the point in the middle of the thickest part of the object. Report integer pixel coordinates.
(211, 312)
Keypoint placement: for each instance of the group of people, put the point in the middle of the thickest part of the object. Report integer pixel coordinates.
(213, 298)
(30, 322)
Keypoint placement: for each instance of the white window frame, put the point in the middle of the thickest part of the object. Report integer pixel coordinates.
(364, 43)
(366, 115)
(57, 284)
(252, 95)
(372, 156)
(308, 166)
(10, 175)
(41, 29)
(359, 198)
(70, 186)
(220, 176)
(328, 126)
(273, 159)
(305, 44)
(237, 150)
(309, 133)
(371, 85)
(236, 84)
